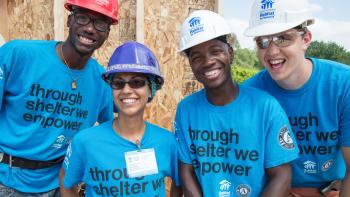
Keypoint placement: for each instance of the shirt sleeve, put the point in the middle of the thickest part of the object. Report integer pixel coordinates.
(344, 119)
(106, 112)
(6, 62)
(73, 166)
(174, 163)
(280, 146)
(181, 137)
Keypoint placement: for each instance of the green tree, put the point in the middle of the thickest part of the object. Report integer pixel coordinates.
(240, 74)
(245, 58)
(245, 64)
(329, 50)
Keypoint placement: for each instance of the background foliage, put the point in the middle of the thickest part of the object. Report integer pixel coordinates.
(246, 63)
(330, 51)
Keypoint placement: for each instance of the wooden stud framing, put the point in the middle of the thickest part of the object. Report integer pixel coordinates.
(4, 29)
(140, 36)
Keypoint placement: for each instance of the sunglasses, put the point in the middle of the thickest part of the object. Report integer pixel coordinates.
(281, 40)
(119, 84)
(84, 19)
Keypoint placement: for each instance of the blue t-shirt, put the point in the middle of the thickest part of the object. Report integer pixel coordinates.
(39, 111)
(319, 113)
(96, 157)
(231, 146)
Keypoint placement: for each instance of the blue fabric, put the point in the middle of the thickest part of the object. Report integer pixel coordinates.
(40, 113)
(9, 192)
(231, 146)
(96, 157)
(319, 113)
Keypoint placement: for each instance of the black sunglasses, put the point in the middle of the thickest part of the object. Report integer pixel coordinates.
(119, 84)
(84, 19)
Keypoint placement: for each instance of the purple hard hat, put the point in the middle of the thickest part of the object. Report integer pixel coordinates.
(134, 57)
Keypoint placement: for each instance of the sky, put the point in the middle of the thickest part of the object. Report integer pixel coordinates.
(332, 20)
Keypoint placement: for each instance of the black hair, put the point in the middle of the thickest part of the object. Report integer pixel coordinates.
(302, 28)
(222, 38)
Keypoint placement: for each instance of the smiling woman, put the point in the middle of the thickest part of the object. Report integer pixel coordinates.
(145, 152)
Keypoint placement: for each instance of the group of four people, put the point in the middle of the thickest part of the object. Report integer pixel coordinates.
(230, 139)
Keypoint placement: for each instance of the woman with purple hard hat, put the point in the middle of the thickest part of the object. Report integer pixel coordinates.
(128, 155)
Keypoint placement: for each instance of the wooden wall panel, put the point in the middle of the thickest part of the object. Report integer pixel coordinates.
(125, 30)
(162, 24)
(30, 19)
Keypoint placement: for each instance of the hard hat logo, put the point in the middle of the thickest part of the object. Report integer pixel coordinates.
(195, 25)
(103, 2)
(267, 9)
(267, 4)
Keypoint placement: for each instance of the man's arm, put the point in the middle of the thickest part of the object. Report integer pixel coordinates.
(72, 192)
(345, 189)
(190, 185)
(175, 191)
(279, 179)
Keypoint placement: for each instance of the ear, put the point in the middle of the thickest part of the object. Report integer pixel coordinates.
(231, 52)
(307, 39)
(69, 20)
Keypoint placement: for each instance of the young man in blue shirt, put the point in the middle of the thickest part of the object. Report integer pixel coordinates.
(48, 92)
(315, 94)
(233, 140)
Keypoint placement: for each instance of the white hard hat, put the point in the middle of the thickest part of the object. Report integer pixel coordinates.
(275, 16)
(201, 26)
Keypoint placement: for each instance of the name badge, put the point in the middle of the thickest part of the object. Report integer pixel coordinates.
(141, 162)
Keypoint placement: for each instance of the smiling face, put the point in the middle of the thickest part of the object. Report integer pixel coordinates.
(286, 64)
(86, 38)
(131, 101)
(211, 63)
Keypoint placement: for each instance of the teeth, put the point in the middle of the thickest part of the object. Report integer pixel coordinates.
(86, 40)
(276, 61)
(128, 101)
(211, 73)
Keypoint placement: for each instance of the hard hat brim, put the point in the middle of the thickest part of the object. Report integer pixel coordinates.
(273, 28)
(112, 71)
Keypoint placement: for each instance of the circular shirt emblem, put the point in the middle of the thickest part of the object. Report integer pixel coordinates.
(243, 190)
(284, 138)
(327, 165)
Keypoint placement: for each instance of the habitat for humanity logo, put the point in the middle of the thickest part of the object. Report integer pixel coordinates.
(310, 167)
(267, 9)
(59, 141)
(195, 25)
(224, 188)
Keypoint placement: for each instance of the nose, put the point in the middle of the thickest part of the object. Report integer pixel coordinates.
(126, 89)
(209, 60)
(89, 28)
(273, 49)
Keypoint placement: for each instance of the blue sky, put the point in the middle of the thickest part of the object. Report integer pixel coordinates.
(332, 20)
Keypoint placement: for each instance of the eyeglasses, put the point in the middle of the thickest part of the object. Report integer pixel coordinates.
(281, 40)
(84, 19)
(133, 83)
